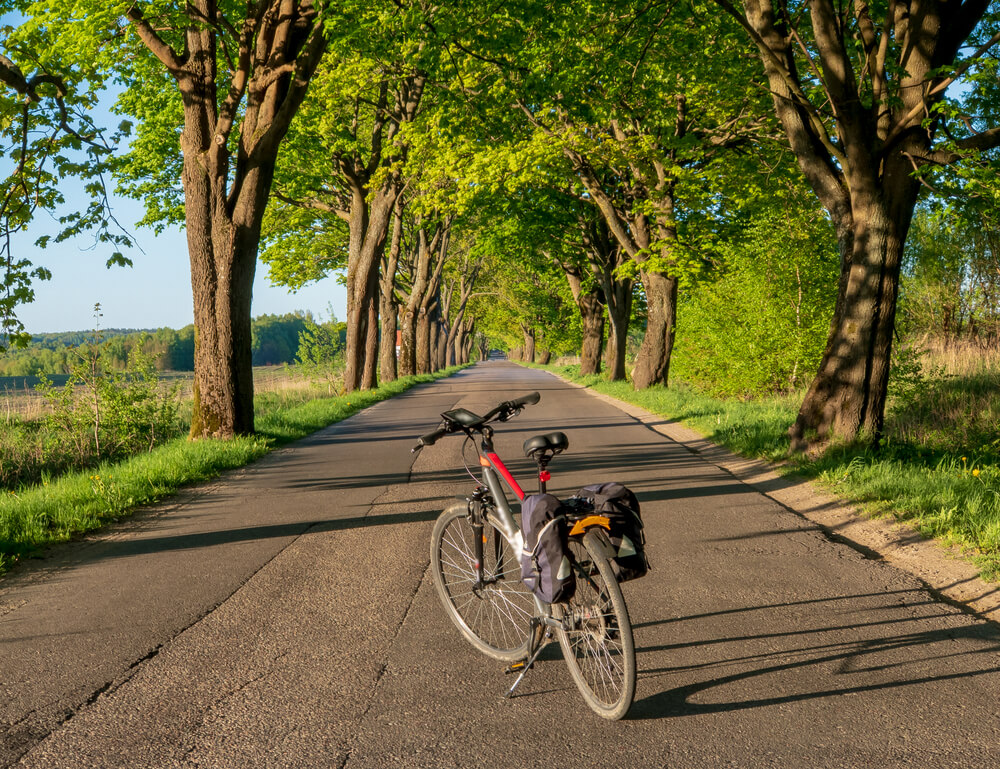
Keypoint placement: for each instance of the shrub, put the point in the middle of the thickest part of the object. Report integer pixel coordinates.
(759, 323)
(99, 414)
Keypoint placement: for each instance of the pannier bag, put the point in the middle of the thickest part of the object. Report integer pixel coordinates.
(545, 566)
(619, 504)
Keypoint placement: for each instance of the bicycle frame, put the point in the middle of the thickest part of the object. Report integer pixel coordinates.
(493, 470)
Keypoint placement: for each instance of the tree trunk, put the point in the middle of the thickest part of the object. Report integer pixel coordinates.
(441, 359)
(368, 224)
(652, 364)
(592, 314)
(223, 259)
(418, 301)
(457, 348)
(387, 342)
(463, 352)
(408, 344)
(433, 332)
(847, 397)
(544, 356)
(388, 307)
(423, 343)
(528, 354)
(369, 376)
(619, 313)
(606, 256)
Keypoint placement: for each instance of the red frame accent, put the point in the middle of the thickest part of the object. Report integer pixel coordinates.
(505, 473)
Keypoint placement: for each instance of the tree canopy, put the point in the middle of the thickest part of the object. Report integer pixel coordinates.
(618, 181)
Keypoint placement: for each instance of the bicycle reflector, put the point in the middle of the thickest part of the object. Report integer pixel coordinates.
(591, 520)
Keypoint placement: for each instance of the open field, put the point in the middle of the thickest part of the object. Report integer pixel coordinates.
(20, 399)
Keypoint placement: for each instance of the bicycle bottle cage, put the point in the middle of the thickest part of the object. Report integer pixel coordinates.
(541, 444)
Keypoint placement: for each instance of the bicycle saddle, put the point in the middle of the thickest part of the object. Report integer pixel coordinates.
(554, 442)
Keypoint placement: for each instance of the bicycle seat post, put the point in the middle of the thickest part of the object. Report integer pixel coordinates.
(544, 476)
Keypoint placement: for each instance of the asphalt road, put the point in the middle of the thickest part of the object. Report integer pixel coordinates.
(285, 617)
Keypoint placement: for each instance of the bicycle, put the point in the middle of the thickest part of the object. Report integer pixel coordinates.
(476, 570)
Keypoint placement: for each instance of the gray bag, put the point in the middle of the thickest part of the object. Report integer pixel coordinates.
(619, 504)
(545, 566)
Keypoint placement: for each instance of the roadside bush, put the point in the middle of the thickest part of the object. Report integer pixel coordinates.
(320, 353)
(758, 324)
(99, 414)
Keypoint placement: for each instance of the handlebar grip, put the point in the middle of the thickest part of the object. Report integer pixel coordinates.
(430, 439)
(525, 400)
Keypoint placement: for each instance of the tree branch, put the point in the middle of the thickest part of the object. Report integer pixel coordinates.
(174, 63)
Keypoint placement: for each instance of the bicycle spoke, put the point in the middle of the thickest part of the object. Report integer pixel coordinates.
(598, 647)
(493, 613)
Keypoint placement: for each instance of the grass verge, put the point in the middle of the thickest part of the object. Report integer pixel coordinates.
(945, 489)
(58, 508)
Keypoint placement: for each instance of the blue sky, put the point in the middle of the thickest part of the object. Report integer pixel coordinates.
(154, 292)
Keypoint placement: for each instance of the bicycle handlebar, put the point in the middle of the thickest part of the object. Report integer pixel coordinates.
(430, 439)
(525, 400)
(503, 412)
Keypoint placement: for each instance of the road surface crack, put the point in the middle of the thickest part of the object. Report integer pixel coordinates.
(349, 749)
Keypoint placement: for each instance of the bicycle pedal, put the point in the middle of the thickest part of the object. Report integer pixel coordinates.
(517, 667)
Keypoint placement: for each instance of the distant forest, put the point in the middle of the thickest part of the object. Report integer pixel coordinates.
(275, 341)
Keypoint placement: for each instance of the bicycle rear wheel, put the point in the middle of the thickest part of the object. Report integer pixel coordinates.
(598, 645)
(495, 617)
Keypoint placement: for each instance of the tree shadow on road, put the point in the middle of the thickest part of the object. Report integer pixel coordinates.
(775, 667)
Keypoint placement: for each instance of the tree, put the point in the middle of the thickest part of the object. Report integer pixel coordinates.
(861, 92)
(756, 323)
(458, 284)
(612, 87)
(215, 86)
(349, 152)
(320, 350)
(950, 284)
(607, 260)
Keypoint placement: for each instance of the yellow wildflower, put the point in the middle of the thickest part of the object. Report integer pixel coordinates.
(975, 473)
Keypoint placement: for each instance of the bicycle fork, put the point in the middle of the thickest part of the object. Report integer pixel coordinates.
(477, 522)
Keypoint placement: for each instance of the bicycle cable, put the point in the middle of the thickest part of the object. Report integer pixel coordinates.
(468, 439)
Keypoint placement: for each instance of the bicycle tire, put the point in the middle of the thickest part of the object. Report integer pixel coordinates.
(599, 649)
(494, 619)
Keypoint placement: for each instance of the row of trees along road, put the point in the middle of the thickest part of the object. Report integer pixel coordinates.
(532, 171)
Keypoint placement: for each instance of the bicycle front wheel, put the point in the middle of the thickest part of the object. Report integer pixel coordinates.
(495, 615)
(596, 637)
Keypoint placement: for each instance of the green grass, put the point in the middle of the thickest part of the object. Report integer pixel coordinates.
(59, 508)
(937, 469)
